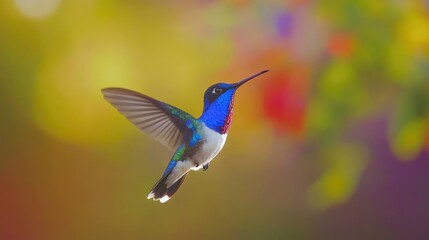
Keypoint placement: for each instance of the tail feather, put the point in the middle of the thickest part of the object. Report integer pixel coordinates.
(163, 193)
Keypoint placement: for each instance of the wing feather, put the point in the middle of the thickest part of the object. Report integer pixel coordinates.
(161, 121)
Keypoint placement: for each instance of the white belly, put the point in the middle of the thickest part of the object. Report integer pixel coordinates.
(211, 147)
(213, 144)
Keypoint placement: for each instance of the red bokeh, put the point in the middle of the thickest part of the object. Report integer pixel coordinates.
(341, 45)
(285, 102)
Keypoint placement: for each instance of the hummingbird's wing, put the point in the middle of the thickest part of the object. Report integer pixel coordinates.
(161, 121)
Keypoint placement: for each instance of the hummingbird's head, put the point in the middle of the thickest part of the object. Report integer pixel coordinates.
(218, 104)
(223, 93)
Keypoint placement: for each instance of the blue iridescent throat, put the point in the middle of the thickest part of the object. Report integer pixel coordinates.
(217, 115)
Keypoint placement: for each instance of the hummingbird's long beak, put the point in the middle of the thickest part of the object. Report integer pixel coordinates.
(236, 85)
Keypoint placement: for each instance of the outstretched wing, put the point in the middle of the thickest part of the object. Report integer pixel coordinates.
(163, 122)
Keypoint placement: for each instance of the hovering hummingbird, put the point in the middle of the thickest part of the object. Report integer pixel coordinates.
(195, 141)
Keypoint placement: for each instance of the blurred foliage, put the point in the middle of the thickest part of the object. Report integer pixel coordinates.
(316, 140)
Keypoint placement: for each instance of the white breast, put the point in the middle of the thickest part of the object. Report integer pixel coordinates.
(213, 144)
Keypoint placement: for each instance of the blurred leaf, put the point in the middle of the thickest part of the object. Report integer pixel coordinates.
(344, 166)
(408, 140)
(398, 64)
(339, 95)
(408, 128)
(338, 82)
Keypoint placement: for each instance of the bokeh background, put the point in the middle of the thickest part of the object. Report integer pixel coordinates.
(332, 143)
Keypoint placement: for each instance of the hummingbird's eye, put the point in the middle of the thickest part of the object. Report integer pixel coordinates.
(217, 90)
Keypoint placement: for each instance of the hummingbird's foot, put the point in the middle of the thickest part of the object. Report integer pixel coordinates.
(196, 165)
(205, 166)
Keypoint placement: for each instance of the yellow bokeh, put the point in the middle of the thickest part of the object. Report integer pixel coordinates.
(414, 31)
(409, 139)
(344, 166)
(70, 77)
(68, 103)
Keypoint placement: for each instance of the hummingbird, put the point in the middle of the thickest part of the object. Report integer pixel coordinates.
(196, 141)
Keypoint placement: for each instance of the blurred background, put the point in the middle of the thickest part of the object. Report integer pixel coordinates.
(333, 142)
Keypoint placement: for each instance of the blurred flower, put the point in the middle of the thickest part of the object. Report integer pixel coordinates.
(283, 23)
(341, 45)
(285, 102)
